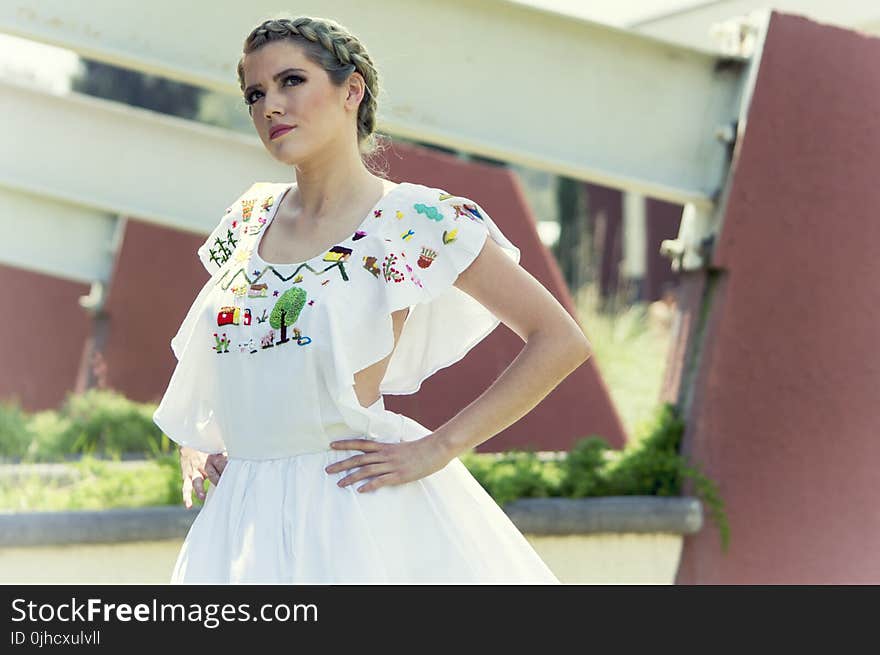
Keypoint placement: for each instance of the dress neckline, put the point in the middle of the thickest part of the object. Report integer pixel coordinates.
(289, 186)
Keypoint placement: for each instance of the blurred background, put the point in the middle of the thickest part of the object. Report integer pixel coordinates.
(605, 138)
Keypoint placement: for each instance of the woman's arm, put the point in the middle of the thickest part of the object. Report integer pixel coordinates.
(555, 346)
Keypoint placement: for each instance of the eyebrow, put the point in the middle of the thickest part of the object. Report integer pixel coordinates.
(275, 78)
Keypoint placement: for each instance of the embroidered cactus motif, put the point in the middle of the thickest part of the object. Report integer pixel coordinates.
(449, 235)
(388, 271)
(429, 211)
(287, 310)
(247, 207)
(222, 249)
(427, 257)
(370, 265)
(222, 344)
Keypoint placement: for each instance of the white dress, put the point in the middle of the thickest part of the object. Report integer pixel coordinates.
(266, 360)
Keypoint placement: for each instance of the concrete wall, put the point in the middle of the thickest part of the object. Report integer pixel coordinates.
(785, 407)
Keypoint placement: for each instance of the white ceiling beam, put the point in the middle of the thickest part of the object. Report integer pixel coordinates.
(490, 77)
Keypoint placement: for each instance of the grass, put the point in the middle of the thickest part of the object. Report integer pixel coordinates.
(630, 345)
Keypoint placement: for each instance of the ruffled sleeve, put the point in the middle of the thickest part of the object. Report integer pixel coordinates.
(427, 246)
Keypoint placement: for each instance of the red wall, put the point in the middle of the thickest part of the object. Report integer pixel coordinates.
(41, 338)
(785, 411)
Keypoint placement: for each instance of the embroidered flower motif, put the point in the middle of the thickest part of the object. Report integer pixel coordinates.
(388, 271)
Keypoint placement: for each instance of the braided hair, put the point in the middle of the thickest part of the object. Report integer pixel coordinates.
(332, 47)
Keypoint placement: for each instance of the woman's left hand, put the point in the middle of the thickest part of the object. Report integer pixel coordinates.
(389, 463)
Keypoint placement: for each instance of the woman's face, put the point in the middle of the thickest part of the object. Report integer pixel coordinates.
(284, 87)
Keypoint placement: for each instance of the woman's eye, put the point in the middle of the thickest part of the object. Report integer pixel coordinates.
(251, 100)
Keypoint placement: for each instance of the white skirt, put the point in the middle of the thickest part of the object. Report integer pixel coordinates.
(286, 521)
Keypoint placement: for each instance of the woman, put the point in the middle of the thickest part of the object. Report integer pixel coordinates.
(324, 294)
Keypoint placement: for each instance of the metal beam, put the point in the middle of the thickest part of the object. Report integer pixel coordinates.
(693, 26)
(491, 77)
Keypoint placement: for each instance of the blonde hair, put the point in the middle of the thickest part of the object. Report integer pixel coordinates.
(331, 46)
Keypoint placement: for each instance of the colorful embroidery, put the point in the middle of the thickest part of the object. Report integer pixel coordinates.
(413, 277)
(262, 318)
(370, 265)
(222, 345)
(268, 339)
(449, 236)
(249, 346)
(300, 339)
(388, 270)
(426, 257)
(287, 310)
(377, 213)
(231, 315)
(445, 196)
(340, 255)
(399, 214)
(246, 208)
(268, 202)
(258, 290)
(470, 211)
(227, 279)
(360, 234)
(255, 228)
(431, 212)
(222, 248)
(406, 236)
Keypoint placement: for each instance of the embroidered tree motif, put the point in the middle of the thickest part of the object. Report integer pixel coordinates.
(286, 311)
(223, 248)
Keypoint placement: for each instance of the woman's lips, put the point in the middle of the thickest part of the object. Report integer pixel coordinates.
(281, 132)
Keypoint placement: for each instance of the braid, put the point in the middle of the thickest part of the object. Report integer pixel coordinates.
(331, 46)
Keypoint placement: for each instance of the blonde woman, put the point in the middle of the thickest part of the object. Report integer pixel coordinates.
(326, 293)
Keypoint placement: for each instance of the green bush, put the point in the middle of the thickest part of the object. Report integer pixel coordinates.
(650, 465)
(97, 484)
(94, 422)
(15, 434)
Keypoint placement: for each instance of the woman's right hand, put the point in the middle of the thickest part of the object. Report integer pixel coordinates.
(194, 467)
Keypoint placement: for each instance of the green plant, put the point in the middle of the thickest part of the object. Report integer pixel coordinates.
(94, 422)
(650, 465)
